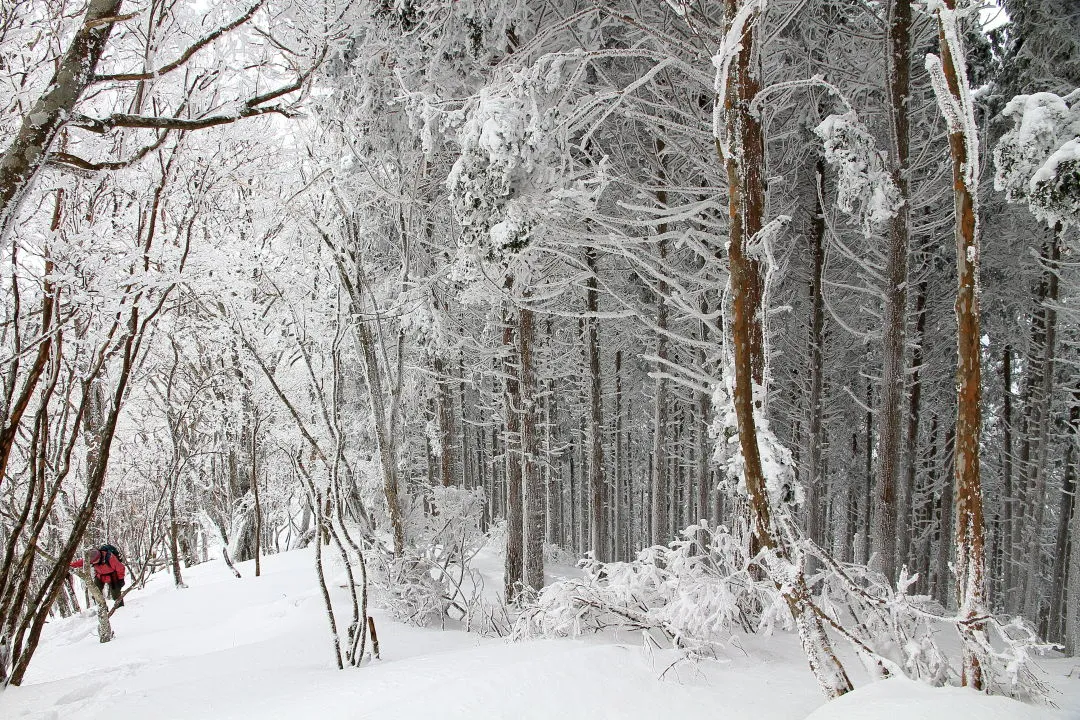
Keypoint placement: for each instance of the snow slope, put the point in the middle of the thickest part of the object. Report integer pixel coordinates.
(258, 648)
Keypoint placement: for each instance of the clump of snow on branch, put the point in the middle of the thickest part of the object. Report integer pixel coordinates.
(510, 161)
(959, 110)
(422, 321)
(1038, 160)
(865, 189)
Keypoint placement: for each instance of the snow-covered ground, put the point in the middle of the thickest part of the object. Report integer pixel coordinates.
(258, 648)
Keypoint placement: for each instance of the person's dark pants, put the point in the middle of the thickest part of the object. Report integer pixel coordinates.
(115, 587)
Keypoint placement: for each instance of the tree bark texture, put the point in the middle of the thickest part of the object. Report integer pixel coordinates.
(890, 412)
(512, 402)
(532, 489)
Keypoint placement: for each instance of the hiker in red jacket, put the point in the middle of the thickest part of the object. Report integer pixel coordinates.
(108, 570)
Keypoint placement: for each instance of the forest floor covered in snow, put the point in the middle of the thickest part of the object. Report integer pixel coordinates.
(259, 648)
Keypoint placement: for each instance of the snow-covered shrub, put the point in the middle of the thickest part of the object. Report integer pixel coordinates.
(435, 580)
(1038, 160)
(865, 189)
(691, 593)
(907, 634)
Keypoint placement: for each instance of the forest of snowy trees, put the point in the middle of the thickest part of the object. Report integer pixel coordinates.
(765, 308)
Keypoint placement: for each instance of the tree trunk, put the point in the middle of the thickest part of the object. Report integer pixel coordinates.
(743, 152)
(1072, 608)
(384, 436)
(911, 451)
(512, 453)
(970, 561)
(659, 481)
(1009, 510)
(258, 505)
(1038, 494)
(892, 381)
(174, 543)
(866, 509)
(1060, 597)
(533, 502)
(815, 476)
(598, 533)
(619, 550)
(444, 407)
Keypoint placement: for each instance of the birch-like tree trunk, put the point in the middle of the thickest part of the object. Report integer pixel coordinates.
(86, 574)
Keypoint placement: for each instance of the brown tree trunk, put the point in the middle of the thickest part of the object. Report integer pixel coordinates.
(743, 153)
(598, 533)
(533, 491)
(970, 560)
(890, 412)
(512, 452)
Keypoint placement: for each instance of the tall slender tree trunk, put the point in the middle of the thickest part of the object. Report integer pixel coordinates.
(890, 413)
(743, 153)
(1059, 581)
(533, 501)
(444, 408)
(512, 406)
(1072, 608)
(659, 481)
(867, 510)
(970, 561)
(618, 529)
(815, 485)
(911, 450)
(384, 436)
(258, 505)
(1038, 494)
(1007, 572)
(598, 534)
